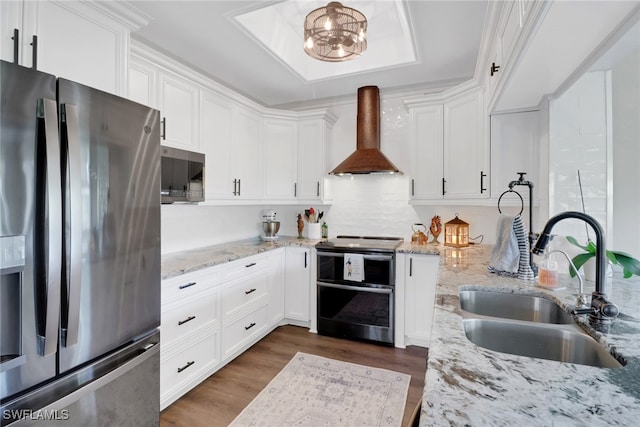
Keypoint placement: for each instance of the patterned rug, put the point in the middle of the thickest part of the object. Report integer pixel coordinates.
(320, 392)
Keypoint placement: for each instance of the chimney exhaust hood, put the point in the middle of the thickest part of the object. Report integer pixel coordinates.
(367, 158)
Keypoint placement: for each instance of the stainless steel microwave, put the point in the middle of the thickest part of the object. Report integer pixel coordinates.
(182, 176)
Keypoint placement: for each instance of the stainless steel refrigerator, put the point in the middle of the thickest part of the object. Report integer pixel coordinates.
(79, 254)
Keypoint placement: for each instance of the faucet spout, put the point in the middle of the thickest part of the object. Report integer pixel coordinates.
(601, 309)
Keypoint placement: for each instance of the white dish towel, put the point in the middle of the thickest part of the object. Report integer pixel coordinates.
(510, 255)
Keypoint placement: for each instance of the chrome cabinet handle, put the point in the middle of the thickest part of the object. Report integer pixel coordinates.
(186, 366)
(163, 122)
(246, 328)
(318, 188)
(250, 291)
(188, 285)
(188, 319)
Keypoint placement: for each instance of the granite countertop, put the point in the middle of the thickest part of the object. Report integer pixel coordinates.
(469, 385)
(183, 262)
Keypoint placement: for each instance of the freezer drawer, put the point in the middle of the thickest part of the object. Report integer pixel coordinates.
(122, 390)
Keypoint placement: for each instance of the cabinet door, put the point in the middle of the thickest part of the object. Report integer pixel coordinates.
(297, 284)
(10, 19)
(311, 142)
(247, 154)
(179, 109)
(427, 172)
(280, 141)
(142, 84)
(215, 143)
(276, 285)
(420, 290)
(76, 42)
(466, 154)
(514, 148)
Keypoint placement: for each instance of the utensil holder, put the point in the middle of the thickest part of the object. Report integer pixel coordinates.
(314, 230)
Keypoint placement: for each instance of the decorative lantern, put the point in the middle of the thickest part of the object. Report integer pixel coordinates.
(456, 233)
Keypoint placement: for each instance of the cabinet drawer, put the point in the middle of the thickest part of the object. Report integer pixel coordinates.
(244, 266)
(243, 330)
(180, 367)
(238, 295)
(182, 319)
(189, 284)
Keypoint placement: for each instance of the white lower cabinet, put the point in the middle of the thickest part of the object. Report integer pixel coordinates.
(189, 332)
(297, 285)
(242, 333)
(187, 363)
(421, 276)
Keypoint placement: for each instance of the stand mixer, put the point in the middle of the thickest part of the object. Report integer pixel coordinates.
(270, 226)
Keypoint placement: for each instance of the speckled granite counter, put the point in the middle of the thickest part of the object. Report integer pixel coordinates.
(469, 385)
(196, 259)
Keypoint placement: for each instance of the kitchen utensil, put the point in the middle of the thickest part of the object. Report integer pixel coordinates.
(419, 237)
(270, 230)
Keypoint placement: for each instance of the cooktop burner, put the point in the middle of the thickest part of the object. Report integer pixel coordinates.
(363, 243)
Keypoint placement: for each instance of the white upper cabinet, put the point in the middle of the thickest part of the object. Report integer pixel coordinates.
(252, 154)
(541, 45)
(312, 138)
(427, 168)
(450, 148)
(466, 149)
(246, 153)
(74, 40)
(142, 84)
(280, 151)
(178, 104)
(215, 143)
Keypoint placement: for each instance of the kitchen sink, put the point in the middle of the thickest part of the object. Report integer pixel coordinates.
(560, 343)
(514, 306)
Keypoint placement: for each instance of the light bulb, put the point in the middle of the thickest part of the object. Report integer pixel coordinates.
(309, 43)
(340, 51)
(361, 34)
(328, 24)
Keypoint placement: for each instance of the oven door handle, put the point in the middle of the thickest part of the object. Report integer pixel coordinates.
(365, 256)
(357, 288)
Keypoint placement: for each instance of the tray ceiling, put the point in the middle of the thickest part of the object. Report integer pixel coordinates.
(255, 47)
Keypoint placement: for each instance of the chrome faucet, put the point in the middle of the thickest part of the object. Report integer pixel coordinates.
(601, 310)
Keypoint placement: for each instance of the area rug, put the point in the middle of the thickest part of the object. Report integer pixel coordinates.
(320, 392)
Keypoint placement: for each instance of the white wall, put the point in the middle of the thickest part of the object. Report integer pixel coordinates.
(577, 141)
(626, 153)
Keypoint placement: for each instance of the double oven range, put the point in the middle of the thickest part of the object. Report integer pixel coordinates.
(356, 287)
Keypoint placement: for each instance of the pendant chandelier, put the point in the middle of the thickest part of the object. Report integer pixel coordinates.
(335, 33)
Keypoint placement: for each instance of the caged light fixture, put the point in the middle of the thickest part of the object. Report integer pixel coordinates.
(335, 33)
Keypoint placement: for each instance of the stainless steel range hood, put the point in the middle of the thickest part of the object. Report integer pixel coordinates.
(367, 158)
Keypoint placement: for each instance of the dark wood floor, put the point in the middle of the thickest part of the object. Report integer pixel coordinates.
(221, 397)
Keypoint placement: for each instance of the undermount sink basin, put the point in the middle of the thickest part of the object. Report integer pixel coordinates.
(514, 306)
(551, 342)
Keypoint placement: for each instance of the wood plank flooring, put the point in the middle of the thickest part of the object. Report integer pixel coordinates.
(221, 397)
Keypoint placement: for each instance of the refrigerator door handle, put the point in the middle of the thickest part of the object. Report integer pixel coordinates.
(71, 305)
(48, 299)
